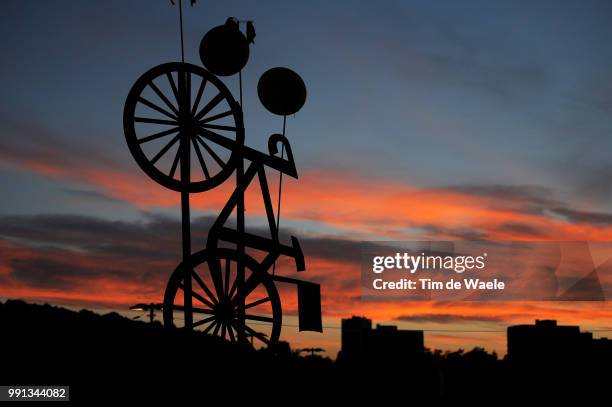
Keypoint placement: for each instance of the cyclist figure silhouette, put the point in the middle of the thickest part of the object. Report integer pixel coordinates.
(186, 131)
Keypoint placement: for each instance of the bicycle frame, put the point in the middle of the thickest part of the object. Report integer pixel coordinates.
(273, 247)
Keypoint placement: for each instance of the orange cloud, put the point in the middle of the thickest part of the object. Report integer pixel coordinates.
(376, 208)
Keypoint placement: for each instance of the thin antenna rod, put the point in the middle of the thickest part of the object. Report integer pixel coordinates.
(181, 23)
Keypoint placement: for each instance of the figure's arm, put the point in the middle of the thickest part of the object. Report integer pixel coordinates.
(285, 165)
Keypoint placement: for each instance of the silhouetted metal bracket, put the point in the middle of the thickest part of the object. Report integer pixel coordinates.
(309, 303)
(309, 306)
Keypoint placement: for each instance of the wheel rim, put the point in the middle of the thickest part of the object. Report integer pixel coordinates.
(159, 110)
(216, 296)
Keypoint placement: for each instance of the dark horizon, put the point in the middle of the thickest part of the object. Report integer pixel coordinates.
(84, 350)
(143, 316)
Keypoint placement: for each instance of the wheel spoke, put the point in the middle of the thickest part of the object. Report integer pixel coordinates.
(158, 135)
(216, 331)
(165, 149)
(203, 321)
(258, 335)
(223, 330)
(217, 138)
(209, 327)
(240, 331)
(231, 291)
(163, 97)
(215, 117)
(209, 106)
(218, 127)
(230, 331)
(249, 285)
(258, 318)
(173, 86)
(196, 103)
(258, 302)
(175, 162)
(199, 297)
(204, 287)
(154, 121)
(195, 310)
(157, 108)
(211, 151)
(200, 158)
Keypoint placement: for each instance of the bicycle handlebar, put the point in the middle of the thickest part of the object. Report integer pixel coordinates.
(284, 165)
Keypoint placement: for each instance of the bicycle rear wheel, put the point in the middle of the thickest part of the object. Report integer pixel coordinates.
(217, 299)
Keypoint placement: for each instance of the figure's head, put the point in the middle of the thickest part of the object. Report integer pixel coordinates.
(224, 50)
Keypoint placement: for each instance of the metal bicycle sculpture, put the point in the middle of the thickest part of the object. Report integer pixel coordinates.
(186, 131)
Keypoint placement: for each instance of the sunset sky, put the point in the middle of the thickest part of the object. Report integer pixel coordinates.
(424, 121)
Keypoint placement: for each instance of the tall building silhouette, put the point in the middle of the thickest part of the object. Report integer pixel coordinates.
(546, 341)
(384, 343)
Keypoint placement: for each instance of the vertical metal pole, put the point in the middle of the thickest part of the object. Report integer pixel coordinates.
(185, 146)
(186, 258)
(240, 245)
(280, 189)
(240, 229)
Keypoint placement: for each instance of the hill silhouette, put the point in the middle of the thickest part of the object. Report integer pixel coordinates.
(110, 358)
(101, 356)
